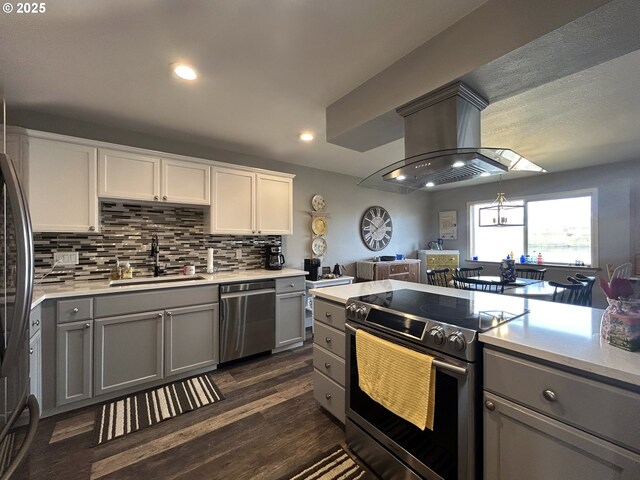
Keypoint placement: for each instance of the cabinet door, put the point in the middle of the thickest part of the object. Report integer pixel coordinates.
(191, 338)
(35, 365)
(185, 182)
(128, 351)
(289, 318)
(274, 205)
(60, 178)
(126, 175)
(232, 201)
(523, 444)
(73, 362)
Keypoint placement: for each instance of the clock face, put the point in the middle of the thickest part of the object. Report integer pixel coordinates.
(376, 228)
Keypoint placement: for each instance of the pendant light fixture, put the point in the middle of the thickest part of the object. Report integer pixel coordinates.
(501, 213)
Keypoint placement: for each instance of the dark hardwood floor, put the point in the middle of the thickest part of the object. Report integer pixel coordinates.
(268, 425)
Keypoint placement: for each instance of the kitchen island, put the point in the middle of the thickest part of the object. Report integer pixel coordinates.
(556, 400)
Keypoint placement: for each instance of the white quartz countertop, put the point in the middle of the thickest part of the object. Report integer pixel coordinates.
(562, 334)
(101, 287)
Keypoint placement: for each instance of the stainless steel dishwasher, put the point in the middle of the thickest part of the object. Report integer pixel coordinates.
(247, 319)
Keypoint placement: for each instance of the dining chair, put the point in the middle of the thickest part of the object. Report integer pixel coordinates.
(532, 273)
(438, 277)
(588, 283)
(571, 293)
(469, 283)
(466, 272)
(622, 271)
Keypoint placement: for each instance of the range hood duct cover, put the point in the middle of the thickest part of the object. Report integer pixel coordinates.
(442, 129)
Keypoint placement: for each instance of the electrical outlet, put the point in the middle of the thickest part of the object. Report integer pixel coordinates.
(238, 253)
(66, 258)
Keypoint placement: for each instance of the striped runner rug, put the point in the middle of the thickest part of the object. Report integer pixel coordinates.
(333, 464)
(129, 414)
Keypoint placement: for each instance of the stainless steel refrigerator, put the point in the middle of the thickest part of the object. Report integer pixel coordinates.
(16, 270)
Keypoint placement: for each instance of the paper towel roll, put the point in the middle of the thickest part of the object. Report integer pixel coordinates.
(209, 260)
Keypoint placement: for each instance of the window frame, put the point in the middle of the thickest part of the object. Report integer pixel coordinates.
(592, 192)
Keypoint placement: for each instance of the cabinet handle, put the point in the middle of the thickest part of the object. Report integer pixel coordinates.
(328, 339)
(155, 197)
(92, 228)
(490, 405)
(253, 231)
(31, 351)
(292, 285)
(170, 314)
(160, 314)
(550, 395)
(164, 197)
(328, 314)
(35, 323)
(327, 396)
(75, 310)
(327, 365)
(87, 325)
(259, 231)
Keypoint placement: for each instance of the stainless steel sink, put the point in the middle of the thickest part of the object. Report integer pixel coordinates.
(155, 280)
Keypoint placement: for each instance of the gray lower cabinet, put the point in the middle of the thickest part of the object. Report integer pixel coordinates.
(74, 361)
(290, 318)
(541, 422)
(128, 351)
(191, 338)
(35, 365)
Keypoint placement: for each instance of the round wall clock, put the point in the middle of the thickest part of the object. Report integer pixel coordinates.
(376, 228)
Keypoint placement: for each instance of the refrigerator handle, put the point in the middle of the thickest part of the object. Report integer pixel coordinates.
(24, 265)
(34, 419)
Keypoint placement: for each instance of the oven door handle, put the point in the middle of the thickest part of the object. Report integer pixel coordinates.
(439, 364)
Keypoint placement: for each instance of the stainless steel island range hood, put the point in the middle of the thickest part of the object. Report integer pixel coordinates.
(442, 144)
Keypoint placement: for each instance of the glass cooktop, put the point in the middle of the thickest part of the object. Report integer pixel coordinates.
(459, 312)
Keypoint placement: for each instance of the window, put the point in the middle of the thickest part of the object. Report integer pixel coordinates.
(560, 227)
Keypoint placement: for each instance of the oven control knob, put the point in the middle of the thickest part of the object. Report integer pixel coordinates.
(458, 341)
(437, 335)
(351, 309)
(361, 313)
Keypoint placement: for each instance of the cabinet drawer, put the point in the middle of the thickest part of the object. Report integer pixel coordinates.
(35, 320)
(399, 268)
(75, 310)
(329, 338)
(601, 409)
(329, 394)
(329, 313)
(329, 364)
(289, 284)
(126, 303)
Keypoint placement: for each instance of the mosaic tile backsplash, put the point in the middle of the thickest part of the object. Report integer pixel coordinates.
(126, 232)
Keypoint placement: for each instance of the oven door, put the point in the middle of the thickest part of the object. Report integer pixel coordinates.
(448, 452)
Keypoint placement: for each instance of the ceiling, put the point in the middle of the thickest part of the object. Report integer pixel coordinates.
(269, 69)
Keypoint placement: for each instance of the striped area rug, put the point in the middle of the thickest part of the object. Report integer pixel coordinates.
(333, 464)
(117, 418)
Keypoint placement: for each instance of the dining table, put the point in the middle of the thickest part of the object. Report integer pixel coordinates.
(524, 287)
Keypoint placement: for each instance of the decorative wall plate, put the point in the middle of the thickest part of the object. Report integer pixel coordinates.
(318, 203)
(319, 225)
(319, 246)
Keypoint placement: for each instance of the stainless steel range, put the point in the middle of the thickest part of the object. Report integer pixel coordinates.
(445, 328)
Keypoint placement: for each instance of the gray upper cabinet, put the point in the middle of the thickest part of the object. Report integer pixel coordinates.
(128, 351)
(541, 422)
(191, 338)
(74, 361)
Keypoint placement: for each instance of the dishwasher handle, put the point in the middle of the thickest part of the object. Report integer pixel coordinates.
(248, 286)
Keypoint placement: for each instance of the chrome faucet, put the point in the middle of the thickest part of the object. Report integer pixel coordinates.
(155, 253)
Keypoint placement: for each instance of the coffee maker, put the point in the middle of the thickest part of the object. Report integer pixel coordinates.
(274, 257)
(312, 265)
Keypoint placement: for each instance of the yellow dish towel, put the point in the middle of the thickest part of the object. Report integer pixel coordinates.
(401, 380)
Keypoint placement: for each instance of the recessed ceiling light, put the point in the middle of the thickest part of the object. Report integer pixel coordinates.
(429, 184)
(184, 71)
(400, 177)
(306, 136)
(458, 164)
(485, 174)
